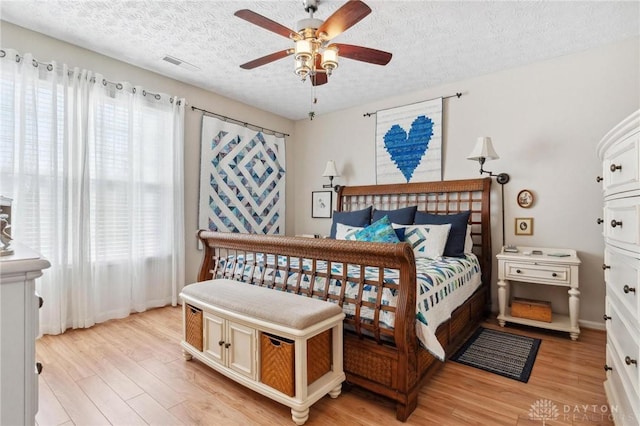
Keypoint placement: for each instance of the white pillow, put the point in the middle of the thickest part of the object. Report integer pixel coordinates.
(427, 240)
(468, 242)
(346, 232)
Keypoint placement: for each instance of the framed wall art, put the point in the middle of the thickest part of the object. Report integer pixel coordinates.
(524, 226)
(525, 198)
(321, 204)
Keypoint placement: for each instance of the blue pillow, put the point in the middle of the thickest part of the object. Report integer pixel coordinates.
(358, 218)
(402, 216)
(400, 232)
(380, 231)
(457, 234)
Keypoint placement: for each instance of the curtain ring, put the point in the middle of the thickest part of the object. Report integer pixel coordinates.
(171, 101)
(49, 67)
(18, 58)
(92, 79)
(133, 90)
(158, 96)
(34, 63)
(2, 53)
(104, 81)
(119, 86)
(144, 92)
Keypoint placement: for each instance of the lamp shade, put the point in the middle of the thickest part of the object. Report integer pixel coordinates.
(330, 169)
(483, 149)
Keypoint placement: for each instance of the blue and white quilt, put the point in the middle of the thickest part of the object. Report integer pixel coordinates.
(443, 284)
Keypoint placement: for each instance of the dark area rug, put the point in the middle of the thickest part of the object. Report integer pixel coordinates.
(506, 354)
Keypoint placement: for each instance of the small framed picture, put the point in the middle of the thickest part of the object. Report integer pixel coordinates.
(525, 198)
(524, 226)
(321, 204)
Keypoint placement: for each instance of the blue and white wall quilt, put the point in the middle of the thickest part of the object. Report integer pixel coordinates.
(242, 179)
(409, 143)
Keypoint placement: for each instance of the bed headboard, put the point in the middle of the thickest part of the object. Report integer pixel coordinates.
(439, 197)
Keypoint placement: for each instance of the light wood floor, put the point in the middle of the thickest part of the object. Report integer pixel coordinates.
(131, 371)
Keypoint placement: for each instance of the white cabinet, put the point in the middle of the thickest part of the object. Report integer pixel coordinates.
(231, 344)
(619, 151)
(556, 267)
(19, 328)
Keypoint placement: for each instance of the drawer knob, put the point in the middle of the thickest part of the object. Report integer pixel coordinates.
(221, 342)
(607, 368)
(554, 275)
(615, 223)
(628, 360)
(605, 266)
(613, 167)
(599, 179)
(40, 302)
(518, 271)
(226, 345)
(606, 317)
(600, 221)
(39, 367)
(628, 289)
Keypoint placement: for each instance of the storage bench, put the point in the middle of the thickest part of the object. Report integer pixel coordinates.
(284, 346)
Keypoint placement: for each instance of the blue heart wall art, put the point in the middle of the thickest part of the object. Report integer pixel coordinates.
(406, 151)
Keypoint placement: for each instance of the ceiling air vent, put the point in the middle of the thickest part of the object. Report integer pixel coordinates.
(180, 63)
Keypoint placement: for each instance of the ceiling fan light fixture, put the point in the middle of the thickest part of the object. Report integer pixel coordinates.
(303, 50)
(329, 59)
(302, 69)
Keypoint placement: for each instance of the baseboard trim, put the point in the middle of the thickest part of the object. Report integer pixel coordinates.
(592, 325)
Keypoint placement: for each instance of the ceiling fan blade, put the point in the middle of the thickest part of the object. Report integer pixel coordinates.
(264, 22)
(344, 18)
(364, 54)
(266, 59)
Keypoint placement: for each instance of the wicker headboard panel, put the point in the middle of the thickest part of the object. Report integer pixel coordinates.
(441, 197)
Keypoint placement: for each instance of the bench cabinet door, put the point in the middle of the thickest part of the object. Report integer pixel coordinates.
(214, 337)
(241, 353)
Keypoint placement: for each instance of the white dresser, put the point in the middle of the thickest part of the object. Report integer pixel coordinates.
(19, 306)
(620, 153)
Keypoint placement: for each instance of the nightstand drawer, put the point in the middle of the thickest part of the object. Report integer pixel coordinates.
(539, 273)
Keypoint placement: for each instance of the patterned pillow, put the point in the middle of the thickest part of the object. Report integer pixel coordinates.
(380, 231)
(346, 232)
(427, 240)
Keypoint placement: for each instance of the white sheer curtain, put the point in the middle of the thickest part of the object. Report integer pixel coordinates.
(96, 173)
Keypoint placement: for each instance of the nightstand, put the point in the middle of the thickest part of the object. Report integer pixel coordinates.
(556, 267)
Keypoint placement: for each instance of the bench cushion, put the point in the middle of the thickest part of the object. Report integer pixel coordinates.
(279, 307)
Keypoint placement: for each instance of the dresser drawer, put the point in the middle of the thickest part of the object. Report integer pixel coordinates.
(538, 272)
(622, 276)
(621, 220)
(625, 412)
(623, 339)
(620, 165)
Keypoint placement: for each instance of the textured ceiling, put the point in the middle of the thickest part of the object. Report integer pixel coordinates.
(432, 42)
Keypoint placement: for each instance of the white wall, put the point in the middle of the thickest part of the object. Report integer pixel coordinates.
(545, 120)
(47, 49)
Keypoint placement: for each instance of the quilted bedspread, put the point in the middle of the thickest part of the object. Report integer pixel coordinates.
(443, 284)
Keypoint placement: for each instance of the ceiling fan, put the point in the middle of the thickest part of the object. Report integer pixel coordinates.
(314, 56)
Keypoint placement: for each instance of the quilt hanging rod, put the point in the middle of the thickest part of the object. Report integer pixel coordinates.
(457, 95)
(242, 123)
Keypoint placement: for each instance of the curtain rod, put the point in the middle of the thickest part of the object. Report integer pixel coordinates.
(243, 123)
(457, 95)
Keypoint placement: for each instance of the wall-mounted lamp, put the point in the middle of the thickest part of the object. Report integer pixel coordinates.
(482, 151)
(330, 171)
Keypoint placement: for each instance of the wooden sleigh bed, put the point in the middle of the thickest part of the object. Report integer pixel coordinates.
(387, 361)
